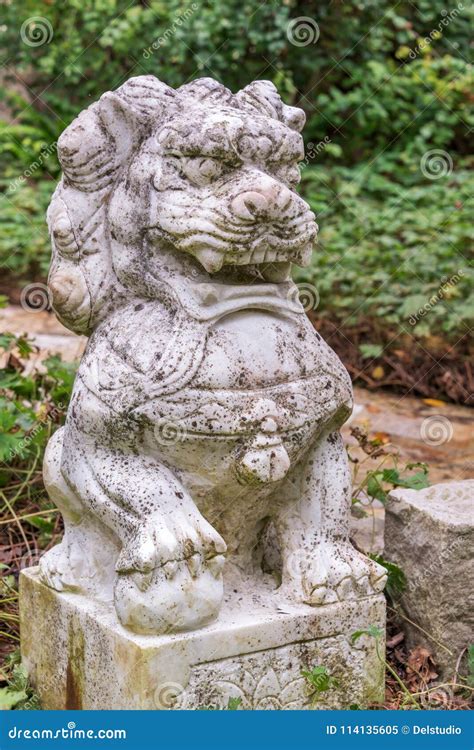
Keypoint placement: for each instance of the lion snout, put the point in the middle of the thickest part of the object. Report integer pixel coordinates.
(265, 203)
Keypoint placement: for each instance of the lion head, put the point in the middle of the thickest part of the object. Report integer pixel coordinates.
(148, 170)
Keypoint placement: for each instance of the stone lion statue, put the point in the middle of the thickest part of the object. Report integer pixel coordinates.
(202, 433)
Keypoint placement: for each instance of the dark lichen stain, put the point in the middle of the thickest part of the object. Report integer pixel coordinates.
(74, 669)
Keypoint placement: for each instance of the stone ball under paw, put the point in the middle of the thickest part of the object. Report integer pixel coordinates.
(157, 603)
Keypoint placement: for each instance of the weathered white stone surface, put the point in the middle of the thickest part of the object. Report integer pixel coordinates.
(206, 408)
(79, 656)
(430, 535)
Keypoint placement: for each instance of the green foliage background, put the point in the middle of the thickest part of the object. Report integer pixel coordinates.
(377, 97)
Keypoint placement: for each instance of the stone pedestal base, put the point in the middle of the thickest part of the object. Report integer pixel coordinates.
(79, 656)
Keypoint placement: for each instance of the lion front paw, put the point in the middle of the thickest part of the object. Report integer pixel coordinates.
(170, 575)
(332, 571)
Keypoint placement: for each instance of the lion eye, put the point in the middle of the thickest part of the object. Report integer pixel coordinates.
(289, 175)
(202, 170)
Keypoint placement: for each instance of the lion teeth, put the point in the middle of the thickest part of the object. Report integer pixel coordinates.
(304, 256)
(212, 260)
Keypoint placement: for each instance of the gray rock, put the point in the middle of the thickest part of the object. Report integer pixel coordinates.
(430, 535)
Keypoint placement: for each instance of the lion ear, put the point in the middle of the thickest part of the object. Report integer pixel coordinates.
(100, 140)
(207, 91)
(148, 97)
(263, 97)
(94, 147)
(121, 121)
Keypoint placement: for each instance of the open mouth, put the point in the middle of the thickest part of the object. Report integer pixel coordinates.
(215, 245)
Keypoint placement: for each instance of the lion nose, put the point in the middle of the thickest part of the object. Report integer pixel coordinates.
(265, 203)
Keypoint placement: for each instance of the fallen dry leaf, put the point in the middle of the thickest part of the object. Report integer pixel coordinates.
(420, 668)
(434, 402)
(381, 437)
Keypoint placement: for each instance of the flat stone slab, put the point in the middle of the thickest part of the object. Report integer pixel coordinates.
(430, 535)
(79, 656)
